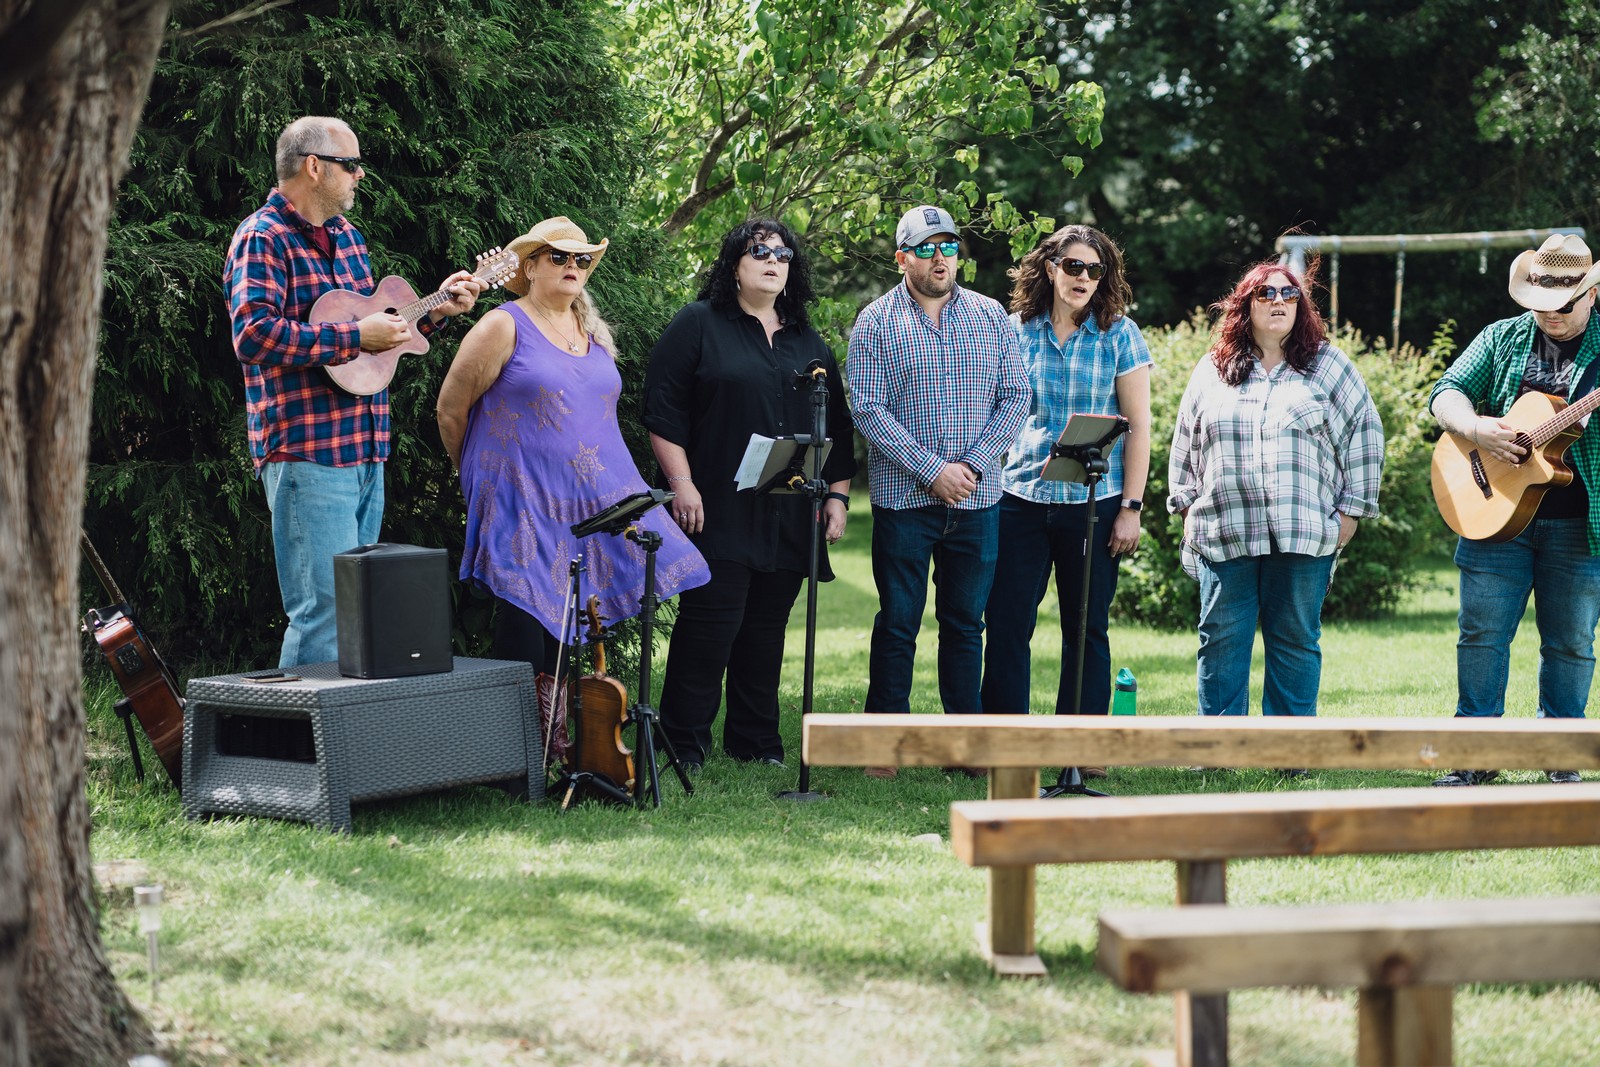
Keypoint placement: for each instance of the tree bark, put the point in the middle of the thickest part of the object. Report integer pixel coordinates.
(64, 139)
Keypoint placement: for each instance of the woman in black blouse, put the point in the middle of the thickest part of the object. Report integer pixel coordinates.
(728, 366)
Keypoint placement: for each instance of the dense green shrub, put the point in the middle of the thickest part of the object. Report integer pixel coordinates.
(1380, 564)
(477, 118)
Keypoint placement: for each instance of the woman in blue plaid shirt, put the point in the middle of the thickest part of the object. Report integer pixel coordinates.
(1277, 452)
(1083, 356)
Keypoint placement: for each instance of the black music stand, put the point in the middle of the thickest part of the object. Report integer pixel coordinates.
(620, 518)
(571, 781)
(1079, 456)
(814, 378)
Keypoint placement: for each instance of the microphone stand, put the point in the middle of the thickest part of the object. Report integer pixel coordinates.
(1091, 457)
(816, 378)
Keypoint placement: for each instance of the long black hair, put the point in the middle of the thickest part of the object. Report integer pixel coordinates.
(719, 284)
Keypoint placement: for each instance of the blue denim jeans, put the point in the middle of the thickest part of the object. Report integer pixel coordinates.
(1284, 592)
(1551, 560)
(317, 512)
(1039, 538)
(962, 546)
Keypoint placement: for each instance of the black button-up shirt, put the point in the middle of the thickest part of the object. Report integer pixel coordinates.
(713, 381)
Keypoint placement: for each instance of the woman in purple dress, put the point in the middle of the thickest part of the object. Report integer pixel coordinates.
(528, 413)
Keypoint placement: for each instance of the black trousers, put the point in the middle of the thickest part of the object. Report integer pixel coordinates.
(520, 636)
(730, 628)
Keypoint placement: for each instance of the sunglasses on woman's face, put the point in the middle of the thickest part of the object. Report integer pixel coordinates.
(1077, 268)
(581, 260)
(947, 249)
(782, 253)
(1266, 294)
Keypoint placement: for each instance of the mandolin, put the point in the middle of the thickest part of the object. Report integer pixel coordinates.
(602, 711)
(371, 372)
(150, 692)
(1486, 499)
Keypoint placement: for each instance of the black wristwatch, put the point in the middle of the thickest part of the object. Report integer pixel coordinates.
(841, 498)
(1133, 505)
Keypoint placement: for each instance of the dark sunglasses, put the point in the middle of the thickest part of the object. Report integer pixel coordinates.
(349, 163)
(926, 249)
(1566, 309)
(1077, 268)
(1266, 294)
(782, 253)
(581, 260)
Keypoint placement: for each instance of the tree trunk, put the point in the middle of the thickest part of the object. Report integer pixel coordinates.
(64, 138)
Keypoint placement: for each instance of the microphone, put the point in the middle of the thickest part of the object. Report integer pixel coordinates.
(815, 372)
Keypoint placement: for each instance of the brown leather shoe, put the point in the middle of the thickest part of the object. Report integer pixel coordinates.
(882, 772)
(1093, 772)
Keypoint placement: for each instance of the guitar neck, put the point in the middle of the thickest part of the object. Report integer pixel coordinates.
(1558, 423)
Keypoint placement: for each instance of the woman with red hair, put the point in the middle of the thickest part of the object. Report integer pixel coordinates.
(1277, 452)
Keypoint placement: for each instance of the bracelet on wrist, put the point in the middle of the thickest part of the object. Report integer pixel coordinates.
(679, 478)
(841, 498)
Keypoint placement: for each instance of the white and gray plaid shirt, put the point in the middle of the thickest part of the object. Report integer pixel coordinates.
(1272, 462)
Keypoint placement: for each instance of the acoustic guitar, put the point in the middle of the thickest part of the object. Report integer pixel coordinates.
(149, 690)
(602, 711)
(371, 372)
(1488, 499)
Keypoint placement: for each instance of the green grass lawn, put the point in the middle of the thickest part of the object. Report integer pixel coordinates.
(734, 928)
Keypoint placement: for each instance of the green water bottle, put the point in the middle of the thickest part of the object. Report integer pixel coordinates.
(1126, 699)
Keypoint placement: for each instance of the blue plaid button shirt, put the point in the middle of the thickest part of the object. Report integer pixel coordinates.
(926, 395)
(1267, 463)
(1075, 378)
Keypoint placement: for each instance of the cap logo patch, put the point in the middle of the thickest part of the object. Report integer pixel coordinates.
(930, 216)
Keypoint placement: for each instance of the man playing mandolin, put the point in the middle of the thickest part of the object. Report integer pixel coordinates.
(318, 451)
(1551, 349)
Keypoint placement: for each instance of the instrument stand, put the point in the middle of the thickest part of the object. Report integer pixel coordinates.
(1088, 465)
(816, 489)
(124, 710)
(647, 725)
(572, 781)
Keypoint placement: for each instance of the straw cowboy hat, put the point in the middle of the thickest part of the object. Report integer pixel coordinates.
(559, 233)
(1558, 272)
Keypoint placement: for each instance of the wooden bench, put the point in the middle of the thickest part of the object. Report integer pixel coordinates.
(1404, 958)
(1200, 833)
(1014, 747)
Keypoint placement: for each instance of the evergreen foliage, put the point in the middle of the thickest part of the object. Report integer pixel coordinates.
(477, 119)
(1382, 563)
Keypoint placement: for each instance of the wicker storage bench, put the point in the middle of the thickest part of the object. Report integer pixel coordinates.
(378, 737)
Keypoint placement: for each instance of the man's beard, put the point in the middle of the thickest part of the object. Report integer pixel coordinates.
(930, 288)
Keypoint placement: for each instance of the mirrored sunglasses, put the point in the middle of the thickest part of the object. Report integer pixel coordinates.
(1266, 294)
(783, 253)
(1077, 268)
(926, 249)
(582, 260)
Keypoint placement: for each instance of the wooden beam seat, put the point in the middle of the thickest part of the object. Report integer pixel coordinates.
(1437, 743)
(1404, 957)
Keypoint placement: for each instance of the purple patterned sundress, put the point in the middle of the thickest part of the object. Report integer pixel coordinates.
(543, 451)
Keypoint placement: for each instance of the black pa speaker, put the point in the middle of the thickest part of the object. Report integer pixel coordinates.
(392, 606)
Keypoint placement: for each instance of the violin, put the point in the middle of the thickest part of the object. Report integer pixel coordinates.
(602, 712)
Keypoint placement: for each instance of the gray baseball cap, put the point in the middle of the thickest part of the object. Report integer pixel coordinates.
(921, 223)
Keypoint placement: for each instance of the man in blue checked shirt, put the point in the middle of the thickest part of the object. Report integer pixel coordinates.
(318, 451)
(939, 392)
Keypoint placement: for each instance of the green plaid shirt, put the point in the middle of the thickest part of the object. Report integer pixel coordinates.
(1489, 372)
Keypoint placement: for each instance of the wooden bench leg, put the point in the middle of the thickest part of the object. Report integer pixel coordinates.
(1006, 940)
(1408, 1026)
(1202, 1021)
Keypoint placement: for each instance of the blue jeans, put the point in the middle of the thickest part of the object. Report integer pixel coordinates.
(317, 511)
(1551, 560)
(1284, 592)
(963, 546)
(1039, 537)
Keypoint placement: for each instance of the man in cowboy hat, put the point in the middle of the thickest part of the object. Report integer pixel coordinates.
(318, 451)
(1551, 348)
(939, 393)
